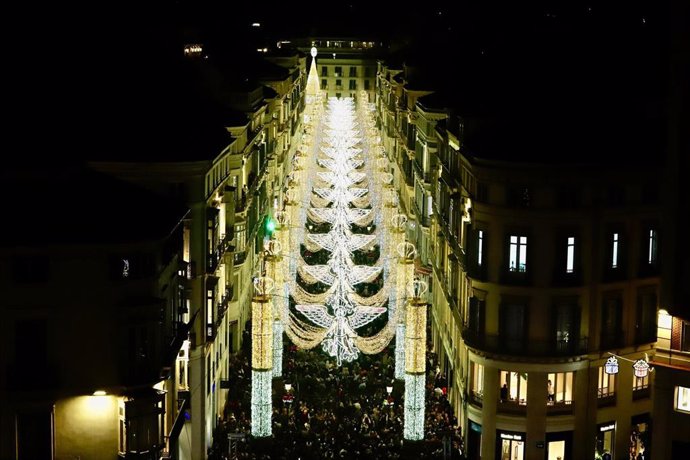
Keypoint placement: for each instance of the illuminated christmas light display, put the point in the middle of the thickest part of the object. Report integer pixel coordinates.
(344, 191)
(262, 356)
(415, 361)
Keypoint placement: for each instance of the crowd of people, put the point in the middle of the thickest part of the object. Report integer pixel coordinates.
(333, 412)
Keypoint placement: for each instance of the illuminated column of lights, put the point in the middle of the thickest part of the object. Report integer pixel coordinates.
(415, 362)
(405, 254)
(262, 357)
(275, 266)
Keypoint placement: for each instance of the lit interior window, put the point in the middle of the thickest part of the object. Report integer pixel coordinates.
(614, 253)
(683, 399)
(570, 263)
(480, 247)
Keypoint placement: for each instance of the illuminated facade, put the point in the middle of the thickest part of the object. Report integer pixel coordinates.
(346, 67)
(535, 283)
(230, 191)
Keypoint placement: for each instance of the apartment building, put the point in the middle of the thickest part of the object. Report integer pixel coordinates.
(542, 271)
(94, 314)
(346, 66)
(232, 178)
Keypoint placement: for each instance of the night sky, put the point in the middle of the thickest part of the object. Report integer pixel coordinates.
(83, 77)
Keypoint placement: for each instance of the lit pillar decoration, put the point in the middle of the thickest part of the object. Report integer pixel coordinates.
(415, 361)
(406, 254)
(274, 261)
(262, 357)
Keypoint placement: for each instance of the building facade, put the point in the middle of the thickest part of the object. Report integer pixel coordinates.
(540, 274)
(346, 67)
(231, 192)
(93, 324)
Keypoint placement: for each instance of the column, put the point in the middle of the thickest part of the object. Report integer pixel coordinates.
(489, 408)
(262, 360)
(537, 396)
(415, 369)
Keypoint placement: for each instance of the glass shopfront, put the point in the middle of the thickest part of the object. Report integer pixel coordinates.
(511, 445)
(474, 441)
(559, 445)
(640, 437)
(605, 441)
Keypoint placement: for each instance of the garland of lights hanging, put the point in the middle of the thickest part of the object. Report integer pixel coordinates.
(340, 198)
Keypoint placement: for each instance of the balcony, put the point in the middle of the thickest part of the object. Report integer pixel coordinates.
(213, 259)
(641, 392)
(605, 397)
(494, 343)
(512, 406)
(559, 408)
(239, 258)
(223, 304)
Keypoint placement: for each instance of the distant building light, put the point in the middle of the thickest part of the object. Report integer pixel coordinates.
(256, 24)
(265, 50)
(193, 49)
(99, 393)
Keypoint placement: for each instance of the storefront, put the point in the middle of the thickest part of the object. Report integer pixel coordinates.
(640, 437)
(474, 441)
(559, 445)
(510, 445)
(605, 441)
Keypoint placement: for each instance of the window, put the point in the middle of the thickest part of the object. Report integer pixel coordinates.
(685, 339)
(615, 240)
(477, 381)
(570, 256)
(367, 72)
(338, 71)
(566, 323)
(645, 325)
(519, 196)
(652, 247)
(366, 85)
(353, 72)
(338, 84)
(353, 85)
(512, 326)
(683, 399)
(607, 384)
(559, 388)
(513, 387)
(480, 247)
(324, 83)
(475, 319)
(324, 71)
(640, 383)
(611, 333)
(518, 254)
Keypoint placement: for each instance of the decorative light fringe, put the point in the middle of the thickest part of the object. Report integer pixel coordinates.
(400, 351)
(414, 407)
(261, 403)
(415, 337)
(340, 161)
(277, 348)
(262, 333)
